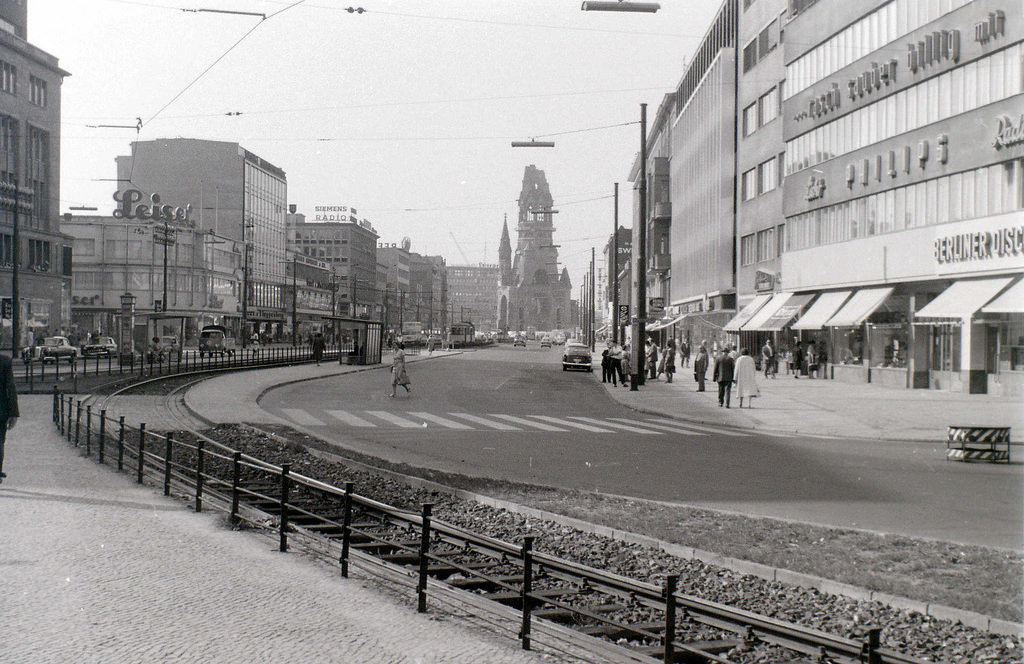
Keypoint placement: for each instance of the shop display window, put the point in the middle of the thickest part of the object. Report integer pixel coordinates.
(849, 345)
(1011, 346)
(945, 348)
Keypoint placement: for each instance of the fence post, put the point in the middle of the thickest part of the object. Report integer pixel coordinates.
(200, 463)
(869, 649)
(120, 444)
(168, 453)
(60, 411)
(236, 472)
(527, 589)
(78, 421)
(670, 618)
(103, 434)
(53, 414)
(283, 545)
(70, 415)
(421, 585)
(346, 527)
(142, 452)
(88, 430)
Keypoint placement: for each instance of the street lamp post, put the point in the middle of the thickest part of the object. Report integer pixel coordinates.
(615, 269)
(593, 296)
(640, 277)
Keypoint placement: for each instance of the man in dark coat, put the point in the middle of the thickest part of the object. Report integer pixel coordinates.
(725, 368)
(318, 348)
(8, 406)
(700, 366)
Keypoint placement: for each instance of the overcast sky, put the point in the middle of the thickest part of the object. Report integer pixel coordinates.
(405, 112)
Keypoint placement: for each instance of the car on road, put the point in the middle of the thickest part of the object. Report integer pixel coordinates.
(214, 340)
(519, 341)
(53, 349)
(545, 342)
(100, 347)
(558, 338)
(576, 356)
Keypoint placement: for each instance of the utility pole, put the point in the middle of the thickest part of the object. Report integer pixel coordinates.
(614, 272)
(295, 303)
(593, 296)
(15, 207)
(639, 329)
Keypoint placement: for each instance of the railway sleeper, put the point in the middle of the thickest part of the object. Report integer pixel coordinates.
(443, 571)
(709, 647)
(614, 632)
(376, 547)
(483, 583)
(515, 599)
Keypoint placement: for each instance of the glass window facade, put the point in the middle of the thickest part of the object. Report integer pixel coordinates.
(994, 77)
(995, 189)
(870, 33)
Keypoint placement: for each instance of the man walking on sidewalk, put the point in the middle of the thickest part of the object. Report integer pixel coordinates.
(8, 406)
(724, 374)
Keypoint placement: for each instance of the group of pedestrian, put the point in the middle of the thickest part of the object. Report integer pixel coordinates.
(728, 367)
(615, 364)
(806, 360)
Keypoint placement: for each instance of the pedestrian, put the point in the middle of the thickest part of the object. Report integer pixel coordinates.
(399, 376)
(669, 359)
(626, 372)
(798, 359)
(768, 359)
(724, 374)
(606, 365)
(746, 379)
(823, 361)
(8, 406)
(651, 354)
(318, 348)
(684, 353)
(812, 361)
(700, 366)
(615, 367)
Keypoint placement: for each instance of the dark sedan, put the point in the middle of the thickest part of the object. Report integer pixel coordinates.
(576, 356)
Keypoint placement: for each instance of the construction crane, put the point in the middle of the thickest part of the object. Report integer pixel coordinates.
(457, 246)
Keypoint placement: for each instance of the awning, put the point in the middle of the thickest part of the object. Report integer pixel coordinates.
(786, 312)
(860, 306)
(822, 310)
(1010, 302)
(658, 324)
(746, 313)
(767, 311)
(959, 302)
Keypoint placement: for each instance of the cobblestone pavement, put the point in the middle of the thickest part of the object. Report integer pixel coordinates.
(94, 568)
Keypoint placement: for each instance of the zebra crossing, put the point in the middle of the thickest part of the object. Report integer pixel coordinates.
(502, 422)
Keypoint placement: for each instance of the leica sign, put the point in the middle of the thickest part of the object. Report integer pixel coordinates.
(129, 207)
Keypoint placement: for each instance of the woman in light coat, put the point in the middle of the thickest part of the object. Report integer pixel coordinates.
(746, 379)
(398, 373)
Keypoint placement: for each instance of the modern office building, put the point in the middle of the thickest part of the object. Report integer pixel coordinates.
(395, 259)
(473, 294)
(35, 258)
(904, 190)
(427, 299)
(235, 194)
(311, 297)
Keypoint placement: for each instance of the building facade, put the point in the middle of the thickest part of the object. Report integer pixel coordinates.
(35, 258)
(427, 299)
(537, 295)
(473, 294)
(904, 190)
(235, 194)
(311, 295)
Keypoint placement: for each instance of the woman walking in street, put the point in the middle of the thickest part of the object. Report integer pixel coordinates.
(746, 379)
(398, 373)
(668, 356)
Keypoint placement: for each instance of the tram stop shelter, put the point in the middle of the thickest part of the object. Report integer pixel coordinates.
(358, 339)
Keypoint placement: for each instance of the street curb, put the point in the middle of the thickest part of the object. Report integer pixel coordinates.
(972, 619)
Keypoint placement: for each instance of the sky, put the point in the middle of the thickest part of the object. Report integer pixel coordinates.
(405, 111)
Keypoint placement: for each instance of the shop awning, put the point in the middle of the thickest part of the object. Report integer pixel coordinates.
(767, 311)
(658, 324)
(1010, 302)
(786, 312)
(822, 310)
(959, 302)
(746, 313)
(859, 307)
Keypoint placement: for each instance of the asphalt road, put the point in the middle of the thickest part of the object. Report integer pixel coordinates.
(514, 414)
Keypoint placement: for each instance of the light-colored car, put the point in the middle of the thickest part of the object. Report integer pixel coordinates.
(576, 356)
(545, 342)
(100, 347)
(519, 341)
(53, 349)
(213, 340)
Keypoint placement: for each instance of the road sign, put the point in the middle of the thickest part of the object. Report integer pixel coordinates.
(623, 314)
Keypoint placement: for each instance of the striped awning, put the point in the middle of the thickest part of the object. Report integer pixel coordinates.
(822, 310)
(860, 306)
(747, 313)
(960, 301)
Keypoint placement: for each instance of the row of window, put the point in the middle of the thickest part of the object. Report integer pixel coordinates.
(989, 79)
(764, 43)
(981, 192)
(761, 179)
(867, 35)
(761, 112)
(761, 246)
(39, 255)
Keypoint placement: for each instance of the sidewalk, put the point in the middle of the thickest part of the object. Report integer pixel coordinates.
(100, 569)
(826, 407)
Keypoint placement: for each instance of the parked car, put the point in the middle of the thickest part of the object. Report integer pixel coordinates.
(576, 356)
(165, 347)
(519, 341)
(545, 342)
(52, 349)
(101, 347)
(214, 340)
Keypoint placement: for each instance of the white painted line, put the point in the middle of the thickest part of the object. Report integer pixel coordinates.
(574, 425)
(350, 419)
(701, 427)
(443, 421)
(689, 432)
(300, 416)
(394, 419)
(528, 423)
(486, 422)
(624, 427)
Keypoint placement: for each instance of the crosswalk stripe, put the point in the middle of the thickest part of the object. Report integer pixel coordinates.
(529, 423)
(443, 421)
(350, 419)
(575, 425)
(624, 427)
(300, 416)
(393, 419)
(663, 427)
(701, 427)
(484, 421)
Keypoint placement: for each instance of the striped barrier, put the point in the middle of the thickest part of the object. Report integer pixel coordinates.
(977, 443)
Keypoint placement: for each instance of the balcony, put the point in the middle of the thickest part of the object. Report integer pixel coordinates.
(659, 263)
(662, 211)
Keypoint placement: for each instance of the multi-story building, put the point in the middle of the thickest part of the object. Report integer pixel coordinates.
(904, 190)
(473, 294)
(427, 298)
(311, 296)
(35, 258)
(621, 280)
(117, 256)
(395, 259)
(236, 194)
(702, 184)
(348, 244)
